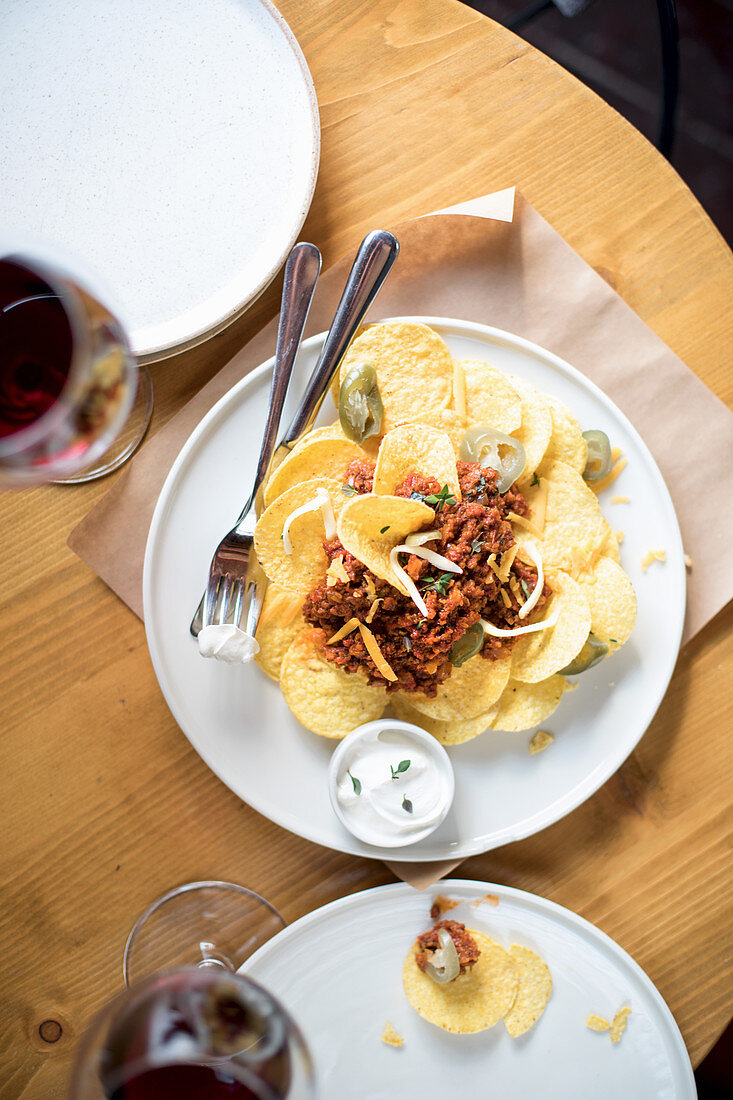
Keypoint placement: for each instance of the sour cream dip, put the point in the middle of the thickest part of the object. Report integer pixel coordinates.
(390, 783)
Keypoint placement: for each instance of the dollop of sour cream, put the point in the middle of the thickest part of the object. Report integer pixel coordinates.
(391, 783)
(226, 642)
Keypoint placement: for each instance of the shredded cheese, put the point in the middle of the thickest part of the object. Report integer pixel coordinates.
(522, 521)
(688, 561)
(620, 500)
(516, 590)
(495, 632)
(373, 609)
(655, 554)
(505, 597)
(506, 563)
(347, 628)
(375, 653)
(459, 388)
(533, 553)
(320, 501)
(610, 477)
(371, 590)
(414, 543)
(620, 536)
(408, 585)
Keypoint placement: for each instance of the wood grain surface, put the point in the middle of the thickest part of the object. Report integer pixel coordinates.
(105, 805)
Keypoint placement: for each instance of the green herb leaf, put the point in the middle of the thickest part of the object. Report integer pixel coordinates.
(535, 480)
(439, 584)
(417, 496)
(406, 805)
(383, 529)
(525, 587)
(613, 640)
(477, 545)
(401, 767)
(407, 644)
(443, 499)
(356, 782)
(348, 490)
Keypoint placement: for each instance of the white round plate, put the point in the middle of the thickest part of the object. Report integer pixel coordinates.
(172, 146)
(339, 972)
(236, 718)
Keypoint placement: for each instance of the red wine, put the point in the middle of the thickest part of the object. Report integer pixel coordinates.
(197, 1034)
(35, 347)
(184, 1082)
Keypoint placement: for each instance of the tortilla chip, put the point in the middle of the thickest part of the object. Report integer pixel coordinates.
(448, 421)
(411, 449)
(473, 1001)
(326, 457)
(370, 526)
(279, 623)
(612, 602)
(306, 566)
(566, 442)
(533, 992)
(469, 691)
(597, 1023)
(414, 369)
(522, 706)
(575, 533)
(455, 732)
(535, 431)
(539, 655)
(324, 698)
(491, 398)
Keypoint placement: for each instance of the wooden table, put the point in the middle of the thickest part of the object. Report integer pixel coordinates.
(423, 103)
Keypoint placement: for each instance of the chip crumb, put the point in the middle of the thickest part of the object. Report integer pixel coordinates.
(688, 561)
(442, 904)
(619, 1023)
(597, 1023)
(652, 555)
(540, 741)
(620, 536)
(391, 1037)
(620, 500)
(488, 899)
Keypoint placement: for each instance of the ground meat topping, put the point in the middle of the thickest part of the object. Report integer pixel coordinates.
(465, 944)
(474, 533)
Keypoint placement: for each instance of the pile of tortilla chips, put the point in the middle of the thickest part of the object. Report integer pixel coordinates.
(429, 400)
(513, 985)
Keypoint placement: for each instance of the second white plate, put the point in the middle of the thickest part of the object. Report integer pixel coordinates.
(236, 717)
(339, 972)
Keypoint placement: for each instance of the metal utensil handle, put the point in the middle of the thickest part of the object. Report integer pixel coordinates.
(377, 252)
(301, 275)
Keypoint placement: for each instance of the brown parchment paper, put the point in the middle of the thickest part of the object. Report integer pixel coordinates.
(519, 275)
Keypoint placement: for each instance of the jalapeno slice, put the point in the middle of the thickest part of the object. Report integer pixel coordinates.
(360, 405)
(500, 452)
(592, 652)
(599, 455)
(468, 645)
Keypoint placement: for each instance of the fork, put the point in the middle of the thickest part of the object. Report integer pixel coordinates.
(233, 577)
(246, 581)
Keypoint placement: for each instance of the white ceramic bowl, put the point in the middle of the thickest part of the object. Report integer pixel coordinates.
(436, 754)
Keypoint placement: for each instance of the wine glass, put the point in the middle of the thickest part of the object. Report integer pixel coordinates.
(188, 1025)
(68, 380)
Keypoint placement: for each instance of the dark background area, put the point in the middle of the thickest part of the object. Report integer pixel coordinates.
(614, 48)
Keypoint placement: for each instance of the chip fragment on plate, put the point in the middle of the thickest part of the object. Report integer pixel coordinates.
(413, 365)
(370, 526)
(618, 1024)
(324, 698)
(391, 1037)
(597, 1023)
(533, 991)
(473, 1001)
(415, 447)
(306, 566)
